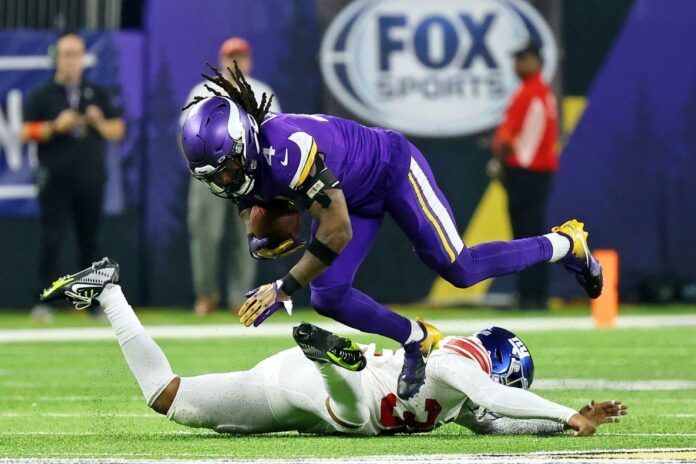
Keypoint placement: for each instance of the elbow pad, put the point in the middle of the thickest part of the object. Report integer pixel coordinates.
(315, 187)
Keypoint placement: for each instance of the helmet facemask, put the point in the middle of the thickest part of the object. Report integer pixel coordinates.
(514, 377)
(240, 181)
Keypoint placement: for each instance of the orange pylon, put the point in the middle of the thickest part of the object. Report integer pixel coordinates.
(605, 309)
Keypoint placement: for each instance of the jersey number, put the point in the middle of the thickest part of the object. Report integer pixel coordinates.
(409, 422)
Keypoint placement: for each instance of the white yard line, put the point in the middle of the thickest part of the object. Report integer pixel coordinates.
(619, 385)
(80, 414)
(77, 398)
(449, 326)
(629, 456)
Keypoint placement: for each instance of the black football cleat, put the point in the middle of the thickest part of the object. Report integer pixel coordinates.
(83, 287)
(321, 345)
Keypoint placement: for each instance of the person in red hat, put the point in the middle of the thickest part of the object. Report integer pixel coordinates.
(525, 158)
(209, 217)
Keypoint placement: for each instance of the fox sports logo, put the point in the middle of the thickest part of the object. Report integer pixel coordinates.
(433, 68)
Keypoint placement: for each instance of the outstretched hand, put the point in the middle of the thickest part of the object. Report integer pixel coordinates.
(607, 412)
(594, 414)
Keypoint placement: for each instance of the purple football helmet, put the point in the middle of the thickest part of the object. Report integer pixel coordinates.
(215, 133)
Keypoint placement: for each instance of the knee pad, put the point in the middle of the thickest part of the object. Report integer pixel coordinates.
(330, 300)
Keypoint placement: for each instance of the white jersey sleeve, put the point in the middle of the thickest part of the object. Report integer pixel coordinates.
(461, 374)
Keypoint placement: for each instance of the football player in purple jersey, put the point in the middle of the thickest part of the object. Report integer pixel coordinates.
(349, 177)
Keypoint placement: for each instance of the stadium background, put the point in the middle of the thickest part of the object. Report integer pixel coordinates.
(626, 170)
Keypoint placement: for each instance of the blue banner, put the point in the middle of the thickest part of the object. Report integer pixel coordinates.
(113, 60)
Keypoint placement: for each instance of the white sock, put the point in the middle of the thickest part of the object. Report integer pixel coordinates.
(145, 359)
(560, 245)
(345, 391)
(417, 333)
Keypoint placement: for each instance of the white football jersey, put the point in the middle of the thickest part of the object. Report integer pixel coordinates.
(457, 388)
(435, 404)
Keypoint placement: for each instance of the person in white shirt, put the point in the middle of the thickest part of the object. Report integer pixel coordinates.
(331, 385)
(212, 222)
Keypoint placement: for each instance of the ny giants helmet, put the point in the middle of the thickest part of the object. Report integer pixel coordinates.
(512, 363)
(216, 131)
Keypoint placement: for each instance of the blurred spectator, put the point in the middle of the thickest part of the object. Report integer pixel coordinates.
(525, 158)
(212, 220)
(71, 119)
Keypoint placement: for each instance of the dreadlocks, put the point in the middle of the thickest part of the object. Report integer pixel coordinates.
(238, 90)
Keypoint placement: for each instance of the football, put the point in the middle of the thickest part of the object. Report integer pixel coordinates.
(277, 220)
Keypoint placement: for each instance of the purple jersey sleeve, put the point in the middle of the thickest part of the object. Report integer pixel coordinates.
(367, 161)
(288, 154)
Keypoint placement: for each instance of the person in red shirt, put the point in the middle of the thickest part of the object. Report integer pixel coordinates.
(525, 158)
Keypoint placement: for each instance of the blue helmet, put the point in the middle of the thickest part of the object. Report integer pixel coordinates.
(218, 133)
(512, 362)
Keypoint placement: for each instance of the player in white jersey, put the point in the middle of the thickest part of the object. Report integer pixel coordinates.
(309, 389)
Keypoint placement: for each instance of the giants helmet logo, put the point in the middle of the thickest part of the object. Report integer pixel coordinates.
(436, 68)
(519, 348)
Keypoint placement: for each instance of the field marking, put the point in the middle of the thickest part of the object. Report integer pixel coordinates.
(626, 456)
(685, 434)
(451, 326)
(71, 398)
(619, 385)
(102, 434)
(80, 414)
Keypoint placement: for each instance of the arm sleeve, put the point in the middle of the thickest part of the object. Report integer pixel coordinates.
(462, 375)
(509, 426)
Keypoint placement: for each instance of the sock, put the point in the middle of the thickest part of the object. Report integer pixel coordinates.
(560, 245)
(145, 359)
(345, 391)
(417, 333)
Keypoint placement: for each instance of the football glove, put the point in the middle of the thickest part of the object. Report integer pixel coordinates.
(262, 302)
(258, 247)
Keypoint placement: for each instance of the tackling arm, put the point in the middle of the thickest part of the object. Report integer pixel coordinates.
(462, 376)
(515, 403)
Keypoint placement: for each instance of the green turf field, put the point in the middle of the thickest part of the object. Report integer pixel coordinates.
(78, 399)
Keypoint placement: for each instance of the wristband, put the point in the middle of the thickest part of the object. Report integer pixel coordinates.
(290, 284)
(323, 253)
(34, 131)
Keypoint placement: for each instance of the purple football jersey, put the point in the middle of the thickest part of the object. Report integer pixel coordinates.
(367, 161)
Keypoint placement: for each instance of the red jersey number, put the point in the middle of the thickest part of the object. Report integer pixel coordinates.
(409, 422)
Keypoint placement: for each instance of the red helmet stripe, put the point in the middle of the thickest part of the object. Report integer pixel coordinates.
(471, 350)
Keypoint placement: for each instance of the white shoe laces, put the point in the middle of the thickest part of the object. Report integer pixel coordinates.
(79, 301)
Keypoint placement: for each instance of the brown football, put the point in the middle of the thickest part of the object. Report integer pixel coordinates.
(278, 220)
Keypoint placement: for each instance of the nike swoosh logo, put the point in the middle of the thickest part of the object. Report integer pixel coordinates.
(78, 287)
(285, 161)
